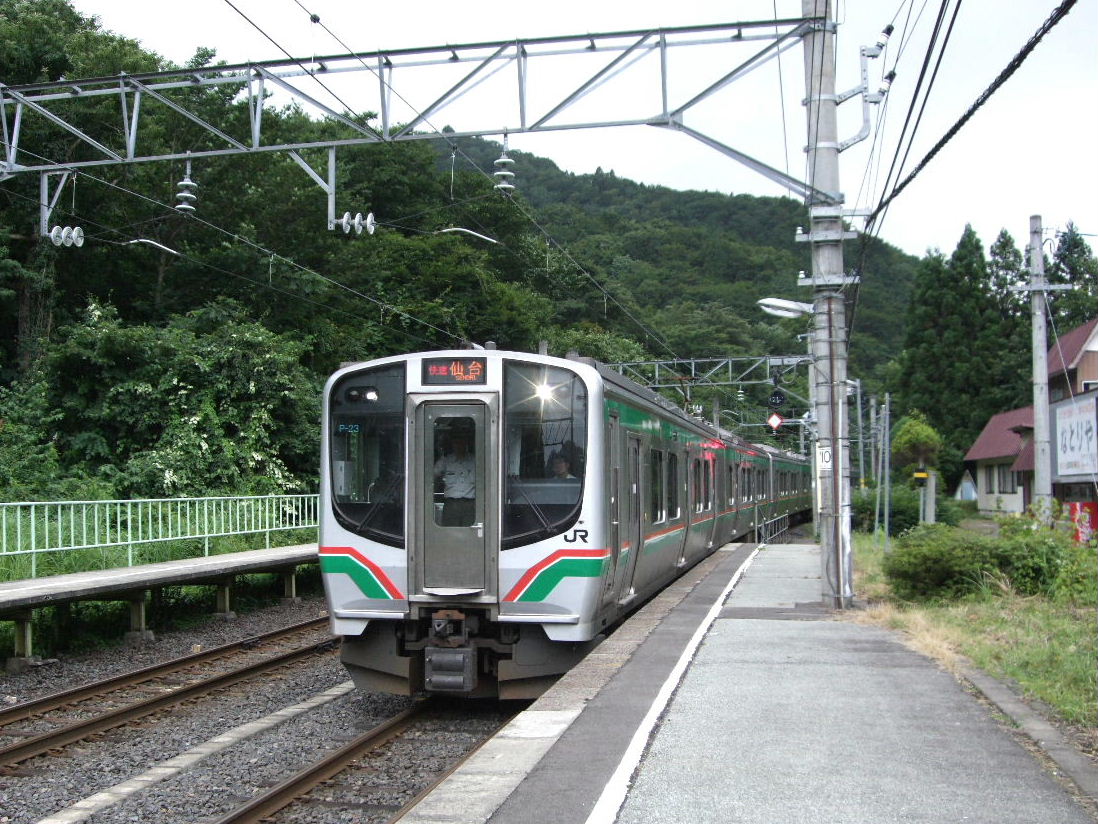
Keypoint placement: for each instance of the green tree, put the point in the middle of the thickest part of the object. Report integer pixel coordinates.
(212, 403)
(952, 336)
(915, 442)
(1073, 263)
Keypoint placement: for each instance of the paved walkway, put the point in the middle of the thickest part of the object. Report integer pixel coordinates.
(753, 707)
(822, 720)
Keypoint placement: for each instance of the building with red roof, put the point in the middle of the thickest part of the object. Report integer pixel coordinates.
(1003, 453)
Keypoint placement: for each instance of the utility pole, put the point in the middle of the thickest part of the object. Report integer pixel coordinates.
(1042, 454)
(826, 235)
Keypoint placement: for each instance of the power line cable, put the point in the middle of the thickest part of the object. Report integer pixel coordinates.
(170, 210)
(1057, 15)
(122, 231)
(304, 68)
(915, 97)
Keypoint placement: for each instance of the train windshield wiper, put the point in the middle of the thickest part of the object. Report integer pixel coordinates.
(384, 495)
(515, 484)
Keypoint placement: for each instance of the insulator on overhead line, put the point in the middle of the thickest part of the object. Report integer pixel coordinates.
(503, 174)
(186, 195)
(67, 236)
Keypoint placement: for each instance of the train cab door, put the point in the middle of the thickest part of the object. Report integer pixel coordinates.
(631, 513)
(453, 508)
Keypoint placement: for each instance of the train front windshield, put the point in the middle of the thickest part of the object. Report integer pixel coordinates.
(367, 452)
(544, 451)
(543, 442)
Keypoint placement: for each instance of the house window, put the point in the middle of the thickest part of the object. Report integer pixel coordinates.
(1007, 480)
(989, 480)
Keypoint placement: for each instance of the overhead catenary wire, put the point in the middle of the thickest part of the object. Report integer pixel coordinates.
(266, 252)
(906, 137)
(315, 19)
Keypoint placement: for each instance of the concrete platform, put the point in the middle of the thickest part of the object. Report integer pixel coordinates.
(19, 599)
(734, 697)
(105, 584)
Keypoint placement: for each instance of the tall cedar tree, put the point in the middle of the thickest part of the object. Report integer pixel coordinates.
(1075, 264)
(1009, 384)
(952, 337)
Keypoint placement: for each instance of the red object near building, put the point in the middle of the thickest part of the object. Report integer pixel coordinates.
(1084, 515)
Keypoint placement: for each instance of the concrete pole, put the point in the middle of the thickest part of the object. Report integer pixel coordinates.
(1042, 456)
(826, 237)
(861, 436)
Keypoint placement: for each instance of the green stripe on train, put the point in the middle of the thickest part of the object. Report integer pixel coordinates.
(363, 578)
(549, 577)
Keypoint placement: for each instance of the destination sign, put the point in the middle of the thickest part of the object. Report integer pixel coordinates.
(446, 371)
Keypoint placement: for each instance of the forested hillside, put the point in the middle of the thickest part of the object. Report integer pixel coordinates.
(696, 262)
(129, 369)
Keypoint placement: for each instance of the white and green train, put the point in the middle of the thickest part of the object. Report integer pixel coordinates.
(486, 515)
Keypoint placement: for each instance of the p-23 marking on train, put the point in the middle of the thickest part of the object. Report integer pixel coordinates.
(485, 515)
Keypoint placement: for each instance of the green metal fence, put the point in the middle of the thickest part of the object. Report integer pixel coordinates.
(40, 527)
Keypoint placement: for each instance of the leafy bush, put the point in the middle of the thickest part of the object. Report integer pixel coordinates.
(1030, 554)
(938, 560)
(903, 512)
(935, 560)
(1076, 581)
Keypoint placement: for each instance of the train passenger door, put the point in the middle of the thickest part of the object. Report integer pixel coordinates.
(613, 483)
(632, 514)
(452, 507)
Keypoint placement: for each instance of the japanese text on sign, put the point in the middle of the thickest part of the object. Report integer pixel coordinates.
(1076, 439)
(454, 370)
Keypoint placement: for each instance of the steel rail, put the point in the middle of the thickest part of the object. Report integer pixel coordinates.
(442, 776)
(259, 808)
(55, 739)
(59, 699)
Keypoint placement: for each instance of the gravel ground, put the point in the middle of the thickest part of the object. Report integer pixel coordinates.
(225, 779)
(68, 671)
(44, 785)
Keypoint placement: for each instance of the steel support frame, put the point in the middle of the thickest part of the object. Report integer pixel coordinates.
(684, 374)
(623, 51)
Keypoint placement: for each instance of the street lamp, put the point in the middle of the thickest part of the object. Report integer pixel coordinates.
(782, 308)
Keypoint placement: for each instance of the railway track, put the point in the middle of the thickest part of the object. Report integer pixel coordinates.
(340, 772)
(111, 703)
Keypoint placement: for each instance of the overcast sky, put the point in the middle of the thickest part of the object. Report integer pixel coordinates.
(1030, 150)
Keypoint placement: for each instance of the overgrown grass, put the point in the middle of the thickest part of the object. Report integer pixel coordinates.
(1048, 647)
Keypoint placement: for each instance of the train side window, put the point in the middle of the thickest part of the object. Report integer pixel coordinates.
(655, 487)
(731, 486)
(696, 485)
(707, 482)
(673, 487)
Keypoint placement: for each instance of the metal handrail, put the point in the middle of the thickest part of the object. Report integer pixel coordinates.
(37, 527)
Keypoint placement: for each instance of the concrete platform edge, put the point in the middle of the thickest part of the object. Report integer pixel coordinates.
(1074, 764)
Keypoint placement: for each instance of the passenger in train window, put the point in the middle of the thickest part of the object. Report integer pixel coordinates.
(561, 467)
(456, 470)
